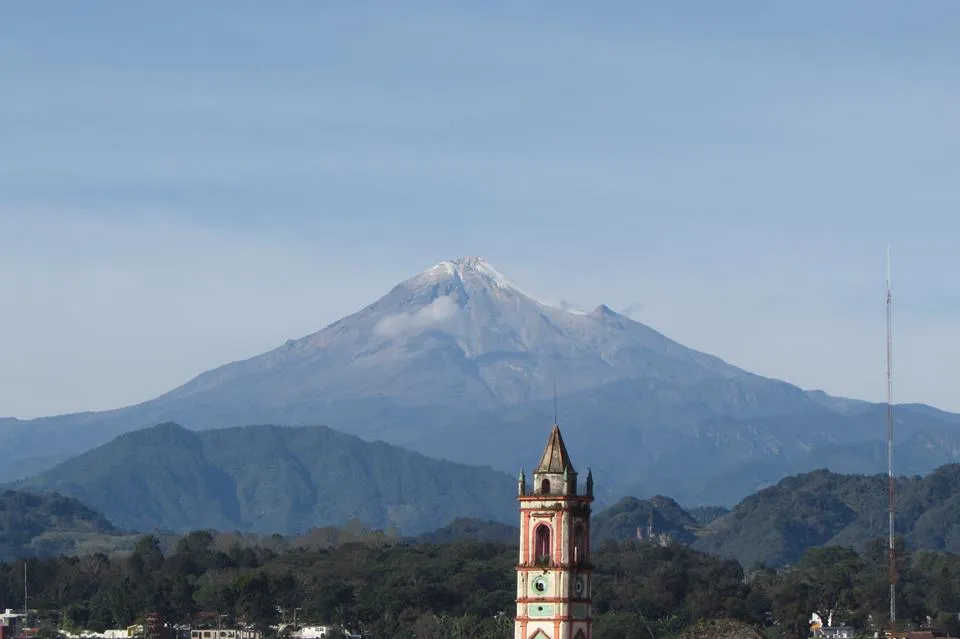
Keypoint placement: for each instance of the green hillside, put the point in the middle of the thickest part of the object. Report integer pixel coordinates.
(468, 528)
(618, 522)
(705, 515)
(49, 525)
(778, 524)
(269, 479)
(294, 481)
(621, 521)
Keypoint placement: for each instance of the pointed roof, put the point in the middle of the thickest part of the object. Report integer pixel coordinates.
(555, 458)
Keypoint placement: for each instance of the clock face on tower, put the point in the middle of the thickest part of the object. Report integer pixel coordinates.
(539, 585)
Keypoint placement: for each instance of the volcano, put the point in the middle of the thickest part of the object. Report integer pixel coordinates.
(459, 362)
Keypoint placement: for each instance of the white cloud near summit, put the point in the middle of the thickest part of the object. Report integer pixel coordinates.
(439, 310)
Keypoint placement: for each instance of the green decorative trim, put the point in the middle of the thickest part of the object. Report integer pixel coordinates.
(540, 610)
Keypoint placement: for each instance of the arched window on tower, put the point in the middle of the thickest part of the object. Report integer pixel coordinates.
(545, 486)
(579, 544)
(542, 544)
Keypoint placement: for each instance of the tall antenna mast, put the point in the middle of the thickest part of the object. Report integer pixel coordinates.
(892, 559)
(25, 593)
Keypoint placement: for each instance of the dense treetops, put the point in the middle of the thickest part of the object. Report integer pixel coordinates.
(466, 589)
(386, 588)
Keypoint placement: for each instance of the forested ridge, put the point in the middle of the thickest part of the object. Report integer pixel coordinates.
(778, 524)
(51, 524)
(268, 479)
(465, 589)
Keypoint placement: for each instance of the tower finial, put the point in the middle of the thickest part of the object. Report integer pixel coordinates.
(555, 402)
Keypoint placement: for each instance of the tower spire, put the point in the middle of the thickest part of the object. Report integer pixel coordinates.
(555, 458)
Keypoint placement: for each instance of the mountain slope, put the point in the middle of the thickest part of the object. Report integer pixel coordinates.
(464, 528)
(778, 524)
(270, 479)
(656, 519)
(47, 525)
(463, 322)
(459, 363)
(705, 515)
(703, 443)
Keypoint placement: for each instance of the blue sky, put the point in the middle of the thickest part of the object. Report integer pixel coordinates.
(186, 184)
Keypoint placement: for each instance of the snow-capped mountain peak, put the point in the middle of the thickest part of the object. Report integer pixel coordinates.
(474, 273)
(459, 332)
(470, 266)
(466, 269)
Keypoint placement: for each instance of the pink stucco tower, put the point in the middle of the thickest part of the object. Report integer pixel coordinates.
(554, 573)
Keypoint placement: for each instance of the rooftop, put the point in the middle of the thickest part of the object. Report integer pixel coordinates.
(555, 458)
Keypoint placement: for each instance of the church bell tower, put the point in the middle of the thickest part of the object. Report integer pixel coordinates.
(554, 573)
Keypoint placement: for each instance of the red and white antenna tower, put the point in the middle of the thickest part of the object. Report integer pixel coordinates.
(891, 558)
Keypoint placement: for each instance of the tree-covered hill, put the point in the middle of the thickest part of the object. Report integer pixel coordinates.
(46, 525)
(294, 481)
(270, 479)
(778, 524)
(464, 528)
(705, 515)
(632, 518)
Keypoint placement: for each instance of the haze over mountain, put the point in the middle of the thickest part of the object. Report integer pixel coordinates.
(269, 479)
(458, 362)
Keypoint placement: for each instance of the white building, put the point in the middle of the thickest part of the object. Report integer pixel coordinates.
(11, 623)
(836, 632)
(225, 633)
(313, 632)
